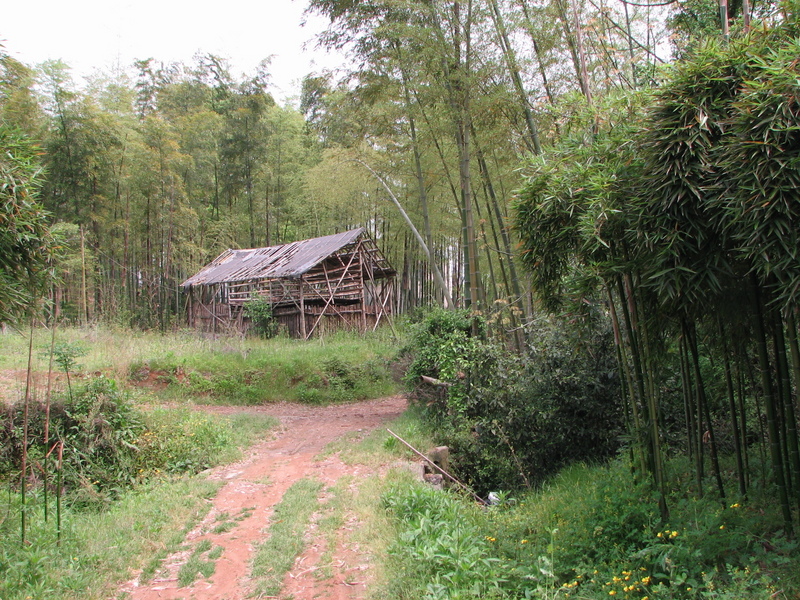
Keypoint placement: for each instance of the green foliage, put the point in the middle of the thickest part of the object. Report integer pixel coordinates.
(589, 533)
(440, 552)
(259, 310)
(180, 441)
(26, 245)
(512, 421)
(65, 355)
(686, 236)
(610, 540)
(339, 368)
(96, 551)
(110, 446)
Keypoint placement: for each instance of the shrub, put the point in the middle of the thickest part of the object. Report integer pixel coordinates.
(440, 552)
(259, 310)
(110, 445)
(511, 421)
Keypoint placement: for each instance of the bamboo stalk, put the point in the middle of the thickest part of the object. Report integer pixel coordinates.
(47, 411)
(59, 490)
(24, 467)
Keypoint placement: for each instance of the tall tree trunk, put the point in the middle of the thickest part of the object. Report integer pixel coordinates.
(703, 410)
(421, 188)
(514, 72)
(575, 49)
(536, 50)
(773, 425)
(794, 349)
(738, 441)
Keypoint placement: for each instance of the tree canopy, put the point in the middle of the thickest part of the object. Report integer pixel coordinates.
(26, 244)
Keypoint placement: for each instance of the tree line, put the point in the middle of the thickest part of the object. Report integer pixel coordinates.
(679, 215)
(151, 171)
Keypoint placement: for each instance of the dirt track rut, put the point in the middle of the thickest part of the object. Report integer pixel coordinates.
(252, 489)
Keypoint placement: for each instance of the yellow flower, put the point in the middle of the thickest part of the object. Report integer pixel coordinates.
(722, 526)
(523, 541)
(674, 534)
(612, 593)
(735, 505)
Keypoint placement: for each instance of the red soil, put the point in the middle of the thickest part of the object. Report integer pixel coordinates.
(258, 483)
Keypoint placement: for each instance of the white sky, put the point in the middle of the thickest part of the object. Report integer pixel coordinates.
(99, 34)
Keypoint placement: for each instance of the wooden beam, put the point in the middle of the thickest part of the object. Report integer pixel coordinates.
(303, 312)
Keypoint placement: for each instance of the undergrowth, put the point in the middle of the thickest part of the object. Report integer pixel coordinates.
(126, 498)
(97, 550)
(589, 533)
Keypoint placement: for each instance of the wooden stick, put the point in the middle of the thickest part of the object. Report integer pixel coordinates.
(435, 382)
(440, 469)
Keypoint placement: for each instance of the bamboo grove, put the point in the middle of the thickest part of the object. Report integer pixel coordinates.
(152, 170)
(681, 220)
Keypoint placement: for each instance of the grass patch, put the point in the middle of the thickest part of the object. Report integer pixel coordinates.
(378, 446)
(98, 551)
(226, 522)
(588, 534)
(102, 542)
(199, 565)
(185, 367)
(330, 521)
(285, 542)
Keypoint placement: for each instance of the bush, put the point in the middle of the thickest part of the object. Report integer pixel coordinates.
(512, 421)
(109, 445)
(440, 553)
(259, 311)
(588, 533)
(180, 441)
(610, 540)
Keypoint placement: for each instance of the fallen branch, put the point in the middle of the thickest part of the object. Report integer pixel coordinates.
(435, 382)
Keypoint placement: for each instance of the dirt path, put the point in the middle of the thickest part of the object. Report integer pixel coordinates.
(254, 486)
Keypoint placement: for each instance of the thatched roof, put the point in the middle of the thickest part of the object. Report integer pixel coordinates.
(288, 261)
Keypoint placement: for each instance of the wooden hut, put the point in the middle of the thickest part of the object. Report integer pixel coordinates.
(315, 285)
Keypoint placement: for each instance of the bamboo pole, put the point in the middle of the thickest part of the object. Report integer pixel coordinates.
(463, 486)
(24, 467)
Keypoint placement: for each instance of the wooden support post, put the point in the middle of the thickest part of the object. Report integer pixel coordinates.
(302, 311)
(214, 315)
(362, 264)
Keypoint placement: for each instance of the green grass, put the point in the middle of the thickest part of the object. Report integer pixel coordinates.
(199, 565)
(331, 519)
(101, 546)
(285, 540)
(379, 446)
(98, 551)
(588, 534)
(225, 522)
(184, 366)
